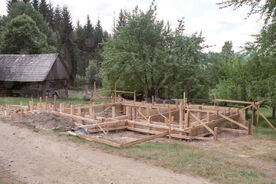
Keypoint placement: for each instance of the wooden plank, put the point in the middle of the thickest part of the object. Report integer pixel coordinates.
(144, 139)
(232, 130)
(233, 101)
(89, 138)
(118, 91)
(80, 118)
(233, 121)
(203, 124)
(108, 129)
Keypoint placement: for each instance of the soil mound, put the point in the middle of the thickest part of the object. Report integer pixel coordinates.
(48, 121)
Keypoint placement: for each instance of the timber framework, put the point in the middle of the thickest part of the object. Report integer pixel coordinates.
(174, 121)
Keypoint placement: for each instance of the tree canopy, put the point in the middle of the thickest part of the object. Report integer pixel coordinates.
(22, 36)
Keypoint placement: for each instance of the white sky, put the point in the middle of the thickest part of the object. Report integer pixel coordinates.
(217, 25)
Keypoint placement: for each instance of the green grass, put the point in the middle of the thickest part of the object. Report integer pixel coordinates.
(72, 98)
(182, 158)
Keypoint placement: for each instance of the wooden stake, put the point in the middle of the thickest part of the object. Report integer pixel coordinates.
(152, 100)
(181, 125)
(115, 92)
(249, 127)
(216, 133)
(113, 112)
(55, 98)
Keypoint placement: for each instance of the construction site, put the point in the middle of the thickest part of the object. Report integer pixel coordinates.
(116, 115)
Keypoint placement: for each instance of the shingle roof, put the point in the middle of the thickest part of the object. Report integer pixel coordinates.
(26, 68)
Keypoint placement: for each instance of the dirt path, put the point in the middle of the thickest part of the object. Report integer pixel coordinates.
(38, 158)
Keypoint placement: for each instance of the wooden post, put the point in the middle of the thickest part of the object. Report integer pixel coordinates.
(115, 92)
(215, 98)
(60, 107)
(208, 117)
(134, 97)
(46, 102)
(128, 112)
(113, 111)
(79, 111)
(133, 113)
(170, 113)
(216, 133)
(187, 119)
(93, 113)
(249, 127)
(40, 103)
(253, 114)
(71, 109)
(258, 116)
(184, 101)
(31, 106)
(55, 98)
(199, 113)
(181, 125)
(152, 100)
(148, 111)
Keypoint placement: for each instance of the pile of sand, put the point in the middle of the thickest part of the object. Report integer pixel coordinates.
(47, 121)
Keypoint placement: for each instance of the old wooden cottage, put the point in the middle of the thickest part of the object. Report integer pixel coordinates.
(33, 75)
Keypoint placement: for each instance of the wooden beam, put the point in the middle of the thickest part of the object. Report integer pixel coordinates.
(233, 101)
(232, 130)
(267, 121)
(203, 124)
(233, 121)
(144, 139)
(89, 138)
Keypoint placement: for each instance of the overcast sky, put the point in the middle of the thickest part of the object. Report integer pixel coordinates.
(217, 25)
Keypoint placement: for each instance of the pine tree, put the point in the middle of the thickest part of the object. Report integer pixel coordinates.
(98, 33)
(10, 2)
(35, 4)
(57, 19)
(43, 9)
(66, 36)
(26, 1)
(21, 35)
(50, 15)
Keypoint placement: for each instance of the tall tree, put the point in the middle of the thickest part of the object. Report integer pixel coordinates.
(20, 8)
(35, 4)
(21, 35)
(10, 2)
(43, 9)
(66, 37)
(98, 33)
(267, 8)
(146, 56)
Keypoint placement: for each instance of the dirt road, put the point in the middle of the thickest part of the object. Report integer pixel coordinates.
(39, 158)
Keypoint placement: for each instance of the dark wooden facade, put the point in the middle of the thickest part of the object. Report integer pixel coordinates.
(33, 75)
